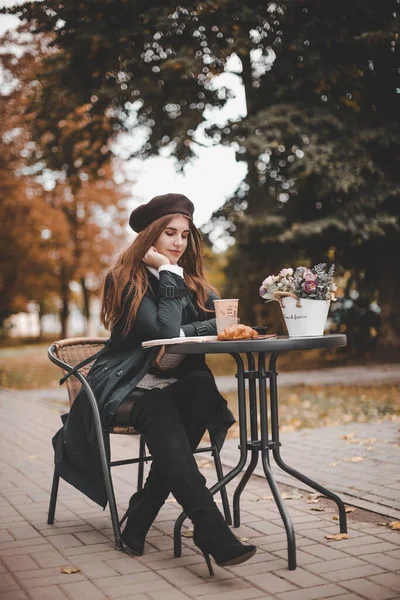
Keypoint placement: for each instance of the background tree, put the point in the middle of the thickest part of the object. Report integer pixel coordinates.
(55, 229)
(319, 138)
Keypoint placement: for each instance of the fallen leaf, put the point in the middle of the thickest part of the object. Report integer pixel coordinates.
(384, 523)
(335, 518)
(188, 532)
(314, 496)
(287, 496)
(337, 537)
(317, 508)
(354, 459)
(350, 509)
(347, 436)
(171, 500)
(244, 539)
(394, 525)
(203, 463)
(333, 464)
(69, 570)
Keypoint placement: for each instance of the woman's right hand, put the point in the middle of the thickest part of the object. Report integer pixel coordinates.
(155, 259)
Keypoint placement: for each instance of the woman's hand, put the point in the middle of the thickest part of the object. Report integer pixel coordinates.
(155, 259)
(157, 360)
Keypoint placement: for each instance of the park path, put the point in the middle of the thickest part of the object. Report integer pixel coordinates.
(366, 566)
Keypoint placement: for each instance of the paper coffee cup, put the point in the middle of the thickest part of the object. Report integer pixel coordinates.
(226, 311)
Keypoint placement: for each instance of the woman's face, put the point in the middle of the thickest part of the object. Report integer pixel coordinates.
(173, 241)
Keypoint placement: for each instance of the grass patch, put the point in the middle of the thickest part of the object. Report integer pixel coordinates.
(27, 367)
(311, 406)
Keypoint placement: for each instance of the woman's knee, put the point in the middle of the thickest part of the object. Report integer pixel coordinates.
(158, 407)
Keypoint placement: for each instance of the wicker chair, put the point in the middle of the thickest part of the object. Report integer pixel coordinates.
(67, 354)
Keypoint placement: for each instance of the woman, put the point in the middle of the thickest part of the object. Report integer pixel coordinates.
(156, 289)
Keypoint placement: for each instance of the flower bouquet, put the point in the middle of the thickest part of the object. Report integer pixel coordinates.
(304, 295)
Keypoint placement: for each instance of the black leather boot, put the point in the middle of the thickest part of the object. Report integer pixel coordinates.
(143, 508)
(213, 536)
(145, 504)
(158, 418)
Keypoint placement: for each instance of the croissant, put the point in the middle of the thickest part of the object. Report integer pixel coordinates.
(237, 332)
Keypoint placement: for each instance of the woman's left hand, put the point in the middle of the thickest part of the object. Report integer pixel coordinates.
(159, 356)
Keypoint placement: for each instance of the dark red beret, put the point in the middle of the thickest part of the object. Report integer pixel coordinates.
(159, 206)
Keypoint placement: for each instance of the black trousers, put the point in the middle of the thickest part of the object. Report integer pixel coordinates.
(173, 420)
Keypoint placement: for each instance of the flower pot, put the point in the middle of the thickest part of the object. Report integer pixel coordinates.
(307, 319)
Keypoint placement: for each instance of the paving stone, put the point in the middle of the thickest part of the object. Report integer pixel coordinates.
(50, 558)
(344, 574)
(13, 595)
(82, 589)
(270, 583)
(20, 562)
(369, 590)
(50, 592)
(389, 580)
(300, 577)
(7, 583)
(315, 593)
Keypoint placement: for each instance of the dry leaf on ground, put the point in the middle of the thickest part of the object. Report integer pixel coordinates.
(317, 508)
(348, 436)
(394, 525)
(188, 532)
(337, 537)
(69, 570)
(287, 496)
(203, 463)
(335, 518)
(350, 509)
(333, 464)
(314, 496)
(244, 539)
(354, 459)
(170, 500)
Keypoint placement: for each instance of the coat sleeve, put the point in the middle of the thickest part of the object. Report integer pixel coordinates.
(161, 317)
(209, 325)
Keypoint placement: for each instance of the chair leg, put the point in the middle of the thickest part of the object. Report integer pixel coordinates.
(224, 495)
(53, 499)
(142, 455)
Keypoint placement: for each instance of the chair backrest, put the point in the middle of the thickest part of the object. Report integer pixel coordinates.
(73, 351)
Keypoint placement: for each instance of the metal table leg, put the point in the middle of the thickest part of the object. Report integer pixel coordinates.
(253, 446)
(263, 375)
(276, 451)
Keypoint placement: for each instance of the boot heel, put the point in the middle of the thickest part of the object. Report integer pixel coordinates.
(208, 561)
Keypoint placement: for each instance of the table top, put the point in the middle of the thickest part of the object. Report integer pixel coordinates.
(277, 344)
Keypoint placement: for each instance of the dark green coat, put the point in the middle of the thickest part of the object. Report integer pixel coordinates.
(166, 307)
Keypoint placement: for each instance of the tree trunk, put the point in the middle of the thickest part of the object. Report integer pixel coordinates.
(389, 292)
(86, 305)
(388, 284)
(65, 297)
(40, 317)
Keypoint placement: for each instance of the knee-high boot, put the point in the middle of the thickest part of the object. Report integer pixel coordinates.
(159, 419)
(146, 503)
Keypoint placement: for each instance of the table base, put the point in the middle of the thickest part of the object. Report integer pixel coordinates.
(269, 443)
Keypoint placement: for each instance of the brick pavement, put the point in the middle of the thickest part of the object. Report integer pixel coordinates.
(365, 566)
(326, 453)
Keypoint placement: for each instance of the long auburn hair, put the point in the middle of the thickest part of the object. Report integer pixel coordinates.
(127, 279)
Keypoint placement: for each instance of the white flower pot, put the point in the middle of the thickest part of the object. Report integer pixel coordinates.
(307, 320)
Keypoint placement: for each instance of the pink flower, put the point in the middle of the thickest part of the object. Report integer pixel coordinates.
(309, 286)
(310, 276)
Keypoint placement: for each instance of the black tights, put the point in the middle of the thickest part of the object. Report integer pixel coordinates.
(173, 421)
